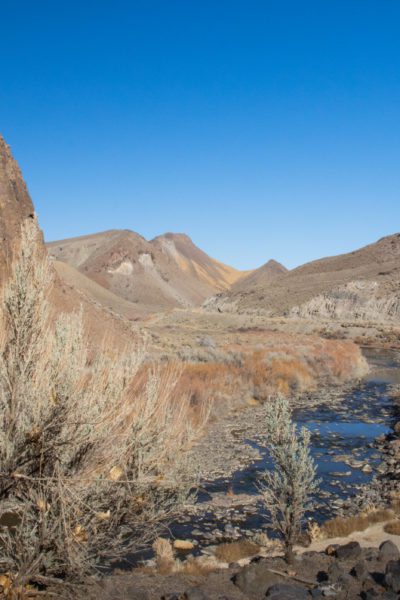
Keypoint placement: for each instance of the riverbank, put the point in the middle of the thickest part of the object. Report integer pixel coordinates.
(345, 422)
(357, 452)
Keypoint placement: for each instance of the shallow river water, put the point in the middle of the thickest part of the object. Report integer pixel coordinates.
(343, 434)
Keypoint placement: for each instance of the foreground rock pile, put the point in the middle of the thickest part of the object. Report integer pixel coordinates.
(342, 572)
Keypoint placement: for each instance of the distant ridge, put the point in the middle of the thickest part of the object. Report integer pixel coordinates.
(363, 284)
(264, 275)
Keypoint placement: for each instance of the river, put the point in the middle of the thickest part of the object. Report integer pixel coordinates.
(343, 430)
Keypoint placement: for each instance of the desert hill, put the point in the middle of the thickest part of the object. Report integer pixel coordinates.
(166, 272)
(262, 276)
(363, 284)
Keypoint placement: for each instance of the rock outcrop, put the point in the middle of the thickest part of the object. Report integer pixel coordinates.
(15, 206)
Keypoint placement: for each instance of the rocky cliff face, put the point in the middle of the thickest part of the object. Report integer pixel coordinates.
(15, 206)
(355, 301)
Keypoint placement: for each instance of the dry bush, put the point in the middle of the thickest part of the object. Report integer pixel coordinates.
(208, 382)
(314, 532)
(234, 551)
(393, 527)
(92, 453)
(164, 553)
(166, 563)
(395, 505)
(288, 488)
(197, 565)
(344, 526)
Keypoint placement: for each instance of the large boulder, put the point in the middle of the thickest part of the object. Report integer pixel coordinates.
(388, 551)
(351, 551)
(255, 579)
(360, 570)
(286, 591)
(195, 594)
(392, 576)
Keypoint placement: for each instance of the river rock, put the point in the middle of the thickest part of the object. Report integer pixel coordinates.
(195, 594)
(360, 570)
(395, 446)
(183, 545)
(331, 549)
(255, 579)
(388, 551)
(367, 468)
(350, 551)
(286, 591)
(392, 576)
(335, 572)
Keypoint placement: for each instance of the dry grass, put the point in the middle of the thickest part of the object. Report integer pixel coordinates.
(393, 527)
(395, 505)
(282, 365)
(314, 532)
(342, 527)
(199, 565)
(164, 553)
(234, 551)
(166, 563)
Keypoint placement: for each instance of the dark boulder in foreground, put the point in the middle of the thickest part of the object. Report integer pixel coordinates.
(392, 576)
(388, 551)
(285, 591)
(350, 551)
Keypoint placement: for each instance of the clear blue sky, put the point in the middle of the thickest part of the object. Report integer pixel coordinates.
(262, 129)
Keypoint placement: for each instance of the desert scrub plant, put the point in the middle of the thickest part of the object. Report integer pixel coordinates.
(230, 552)
(344, 526)
(288, 488)
(393, 527)
(93, 449)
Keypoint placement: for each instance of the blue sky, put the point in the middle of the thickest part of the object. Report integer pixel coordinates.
(262, 129)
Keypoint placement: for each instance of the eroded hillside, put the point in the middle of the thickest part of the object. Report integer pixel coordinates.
(360, 285)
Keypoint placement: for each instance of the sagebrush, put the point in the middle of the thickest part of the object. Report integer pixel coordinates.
(288, 488)
(93, 448)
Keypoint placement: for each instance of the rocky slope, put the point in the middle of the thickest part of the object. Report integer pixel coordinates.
(364, 284)
(15, 206)
(262, 276)
(168, 271)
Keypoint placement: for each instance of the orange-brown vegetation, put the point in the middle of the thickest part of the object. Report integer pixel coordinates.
(342, 527)
(393, 527)
(282, 365)
(234, 551)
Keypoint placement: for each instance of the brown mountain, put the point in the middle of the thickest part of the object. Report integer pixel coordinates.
(260, 277)
(364, 284)
(166, 272)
